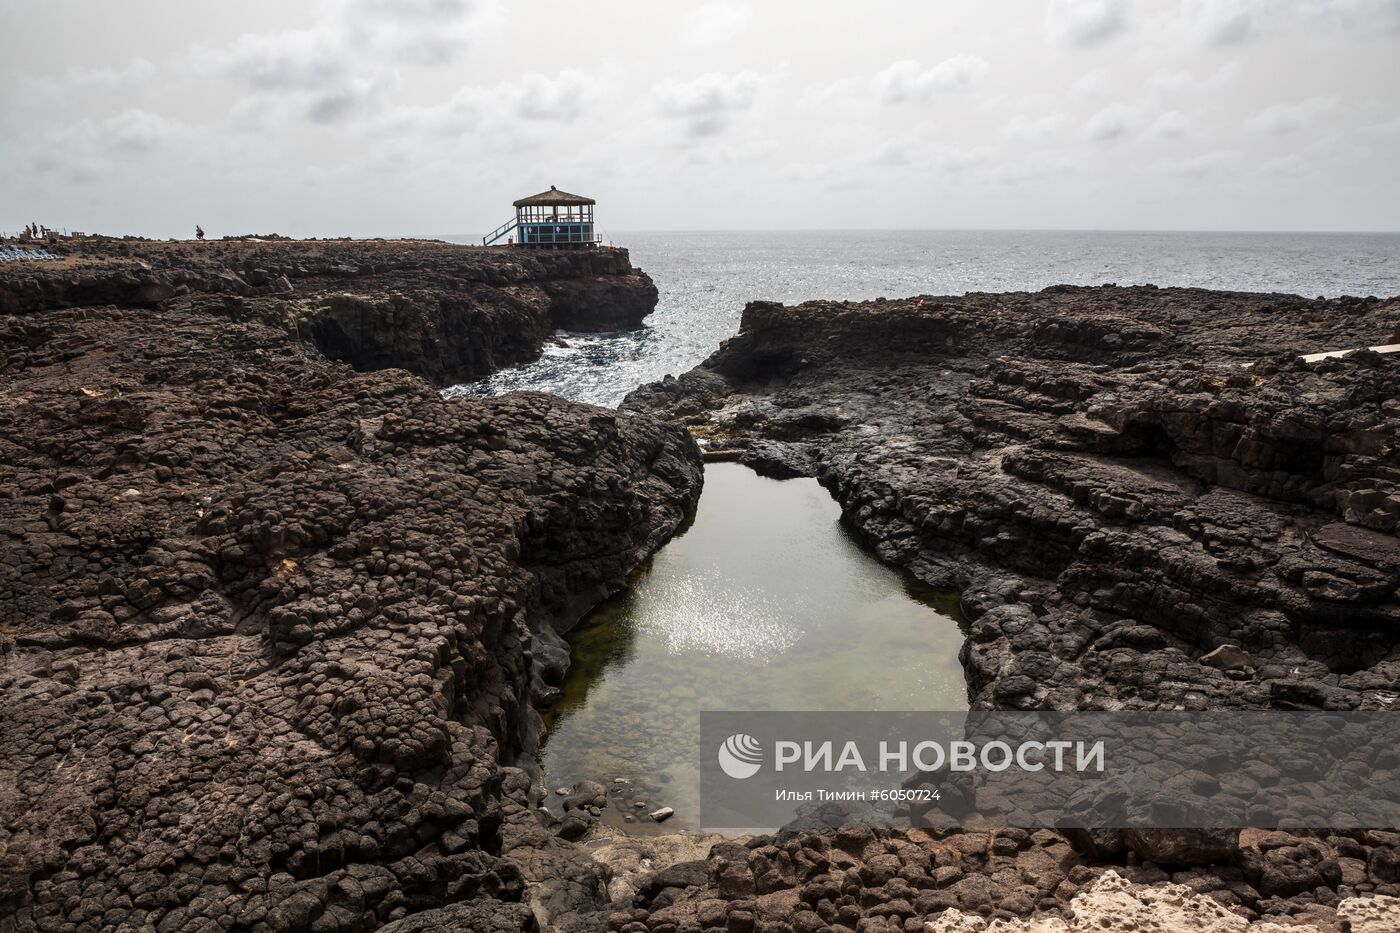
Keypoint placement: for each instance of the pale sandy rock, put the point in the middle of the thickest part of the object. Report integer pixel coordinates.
(632, 858)
(1116, 905)
(955, 921)
(1379, 914)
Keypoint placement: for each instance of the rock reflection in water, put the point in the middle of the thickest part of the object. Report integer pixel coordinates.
(765, 602)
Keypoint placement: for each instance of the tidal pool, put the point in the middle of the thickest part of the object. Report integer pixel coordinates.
(766, 602)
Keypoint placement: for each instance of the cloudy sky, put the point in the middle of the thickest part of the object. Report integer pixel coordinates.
(367, 117)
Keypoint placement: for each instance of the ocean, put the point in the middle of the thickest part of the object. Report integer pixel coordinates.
(706, 278)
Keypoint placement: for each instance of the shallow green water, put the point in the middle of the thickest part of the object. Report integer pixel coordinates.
(767, 601)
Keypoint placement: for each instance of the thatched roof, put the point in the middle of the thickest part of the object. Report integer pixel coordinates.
(554, 198)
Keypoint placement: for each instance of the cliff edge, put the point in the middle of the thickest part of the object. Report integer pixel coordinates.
(268, 624)
(445, 312)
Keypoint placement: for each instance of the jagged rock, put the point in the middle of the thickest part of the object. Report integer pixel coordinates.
(1115, 905)
(270, 621)
(586, 794)
(484, 916)
(1228, 658)
(1380, 914)
(1183, 846)
(448, 313)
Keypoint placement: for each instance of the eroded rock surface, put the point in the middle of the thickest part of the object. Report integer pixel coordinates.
(267, 623)
(448, 313)
(1147, 501)
(887, 881)
(1121, 481)
(1115, 905)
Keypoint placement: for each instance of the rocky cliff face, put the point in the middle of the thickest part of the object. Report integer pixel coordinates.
(445, 312)
(267, 623)
(1146, 499)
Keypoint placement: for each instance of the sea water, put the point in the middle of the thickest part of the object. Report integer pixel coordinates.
(765, 602)
(705, 279)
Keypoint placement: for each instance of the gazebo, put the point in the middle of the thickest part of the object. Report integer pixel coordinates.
(553, 219)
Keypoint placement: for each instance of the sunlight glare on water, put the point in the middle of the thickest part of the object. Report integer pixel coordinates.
(701, 614)
(765, 602)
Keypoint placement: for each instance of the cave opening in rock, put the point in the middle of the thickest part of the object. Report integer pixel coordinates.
(334, 343)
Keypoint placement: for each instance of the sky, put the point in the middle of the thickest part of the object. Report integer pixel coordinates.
(424, 117)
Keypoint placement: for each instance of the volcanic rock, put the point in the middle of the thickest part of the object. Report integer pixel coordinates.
(1139, 475)
(448, 313)
(269, 620)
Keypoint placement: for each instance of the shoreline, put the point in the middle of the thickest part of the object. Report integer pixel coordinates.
(270, 601)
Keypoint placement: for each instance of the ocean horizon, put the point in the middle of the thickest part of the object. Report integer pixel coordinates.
(706, 278)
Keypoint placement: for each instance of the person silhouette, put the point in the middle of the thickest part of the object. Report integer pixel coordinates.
(198, 232)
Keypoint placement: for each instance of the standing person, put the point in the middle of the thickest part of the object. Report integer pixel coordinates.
(198, 232)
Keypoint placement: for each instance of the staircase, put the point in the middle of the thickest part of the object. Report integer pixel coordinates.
(499, 232)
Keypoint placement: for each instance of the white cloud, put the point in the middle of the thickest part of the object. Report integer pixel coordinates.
(405, 119)
(301, 59)
(1092, 84)
(415, 32)
(44, 95)
(1034, 166)
(344, 65)
(85, 150)
(718, 21)
(1114, 122)
(1360, 19)
(1169, 125)
(1186, 82)
(962, 160)
(1288, 166)
(1205, 165)
(709, 103)
(134, 73)
(893, 154)
(1283, 119)
(1384, 128)
(1084, 23)
(517, 112)
(355, 98)
(1221, 22)
(908, 81)
(1022, 128)
(559, 99)
(133, 131)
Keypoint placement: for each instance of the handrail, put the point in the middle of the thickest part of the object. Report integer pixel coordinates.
(499, 232)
